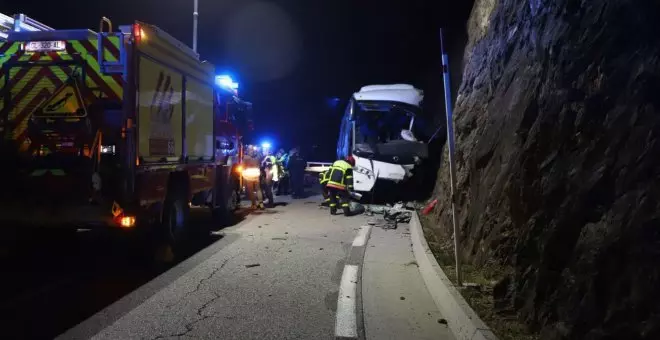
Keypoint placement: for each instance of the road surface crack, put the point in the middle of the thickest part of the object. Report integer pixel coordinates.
(207, 278)
(189, 326)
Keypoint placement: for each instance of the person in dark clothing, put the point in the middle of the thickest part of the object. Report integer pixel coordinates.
(283, 185)
(297, 165)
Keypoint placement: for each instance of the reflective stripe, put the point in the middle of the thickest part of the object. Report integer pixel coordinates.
(323, 177)
(30, 85)
(341, 165)
(41, 172)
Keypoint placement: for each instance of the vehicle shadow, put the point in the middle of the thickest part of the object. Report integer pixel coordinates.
(62, 279)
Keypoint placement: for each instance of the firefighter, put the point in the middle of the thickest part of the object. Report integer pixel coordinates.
(282, 159)
(269, 176)
(340, 185)
(323, 180)
(253, 186)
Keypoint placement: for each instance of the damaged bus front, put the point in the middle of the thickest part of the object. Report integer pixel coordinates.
(378, 130)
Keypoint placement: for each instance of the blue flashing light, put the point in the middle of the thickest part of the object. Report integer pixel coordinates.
(226, 81)
(265, 145)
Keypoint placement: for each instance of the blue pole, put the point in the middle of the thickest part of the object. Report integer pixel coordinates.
(452, 160)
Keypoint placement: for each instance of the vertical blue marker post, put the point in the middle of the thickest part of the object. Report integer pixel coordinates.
(452, 160)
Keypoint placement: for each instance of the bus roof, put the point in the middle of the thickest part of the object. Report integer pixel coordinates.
(402, 93)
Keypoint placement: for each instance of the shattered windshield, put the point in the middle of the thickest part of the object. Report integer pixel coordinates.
(378, 123)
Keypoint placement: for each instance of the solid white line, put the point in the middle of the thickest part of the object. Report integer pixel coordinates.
(361, 238)
(346, 323)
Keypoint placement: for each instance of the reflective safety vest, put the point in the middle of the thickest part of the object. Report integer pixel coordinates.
(341, 175)
(271, 165)
(323, 177)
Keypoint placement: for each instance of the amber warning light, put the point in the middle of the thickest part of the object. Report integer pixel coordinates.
(251, 174)
(127, 221)
(138, 33)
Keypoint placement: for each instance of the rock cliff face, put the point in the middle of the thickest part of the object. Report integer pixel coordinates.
(558, 154)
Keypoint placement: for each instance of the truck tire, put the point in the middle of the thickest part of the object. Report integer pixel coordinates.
(227, 204)
(176, 213)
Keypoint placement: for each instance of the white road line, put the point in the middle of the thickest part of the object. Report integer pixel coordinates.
(361, 238)
(346, 322)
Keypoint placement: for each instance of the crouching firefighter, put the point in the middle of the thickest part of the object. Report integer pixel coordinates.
(340, 185)
(323, 180)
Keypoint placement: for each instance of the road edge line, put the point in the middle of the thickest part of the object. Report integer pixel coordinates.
(461, 318)
(355, 263)
(361, 238)
(346, 316)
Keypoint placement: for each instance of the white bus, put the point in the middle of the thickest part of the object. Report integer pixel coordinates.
(378, 131)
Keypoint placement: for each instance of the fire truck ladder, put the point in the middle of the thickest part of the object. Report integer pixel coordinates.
(19, 23)
(110, 67)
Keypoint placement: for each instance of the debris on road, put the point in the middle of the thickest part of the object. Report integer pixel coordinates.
(252, 265)
(392, 215)
(357, 209)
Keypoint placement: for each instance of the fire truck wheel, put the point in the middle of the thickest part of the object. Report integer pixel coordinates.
(232, 201)
(175, 220)
(226, 206)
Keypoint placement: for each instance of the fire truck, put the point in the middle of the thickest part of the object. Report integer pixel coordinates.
(114, 129)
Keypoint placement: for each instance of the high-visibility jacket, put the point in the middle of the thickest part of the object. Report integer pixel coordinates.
(324, 177)
(341, 175)
(270, 163)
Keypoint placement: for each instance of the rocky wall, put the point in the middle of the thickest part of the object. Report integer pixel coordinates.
(558, 163)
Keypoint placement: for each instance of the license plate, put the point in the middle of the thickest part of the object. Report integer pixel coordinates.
(44, 46)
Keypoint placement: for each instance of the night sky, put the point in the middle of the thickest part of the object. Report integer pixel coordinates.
(291, 56)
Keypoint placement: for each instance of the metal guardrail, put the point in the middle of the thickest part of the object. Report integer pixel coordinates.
(317, 166)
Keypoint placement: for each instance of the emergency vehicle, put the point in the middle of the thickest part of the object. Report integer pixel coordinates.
(120, 129)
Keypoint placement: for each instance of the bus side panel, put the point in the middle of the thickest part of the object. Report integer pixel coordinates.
(160, 135)
(199, 120)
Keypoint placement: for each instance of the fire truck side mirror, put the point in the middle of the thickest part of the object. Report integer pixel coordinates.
(220, 145)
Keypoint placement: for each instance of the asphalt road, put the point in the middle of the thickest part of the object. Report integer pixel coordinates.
(50, 282)
(278, 271)
(274, 276)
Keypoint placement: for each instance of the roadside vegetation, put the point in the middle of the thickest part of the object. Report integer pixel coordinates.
(479, 283)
